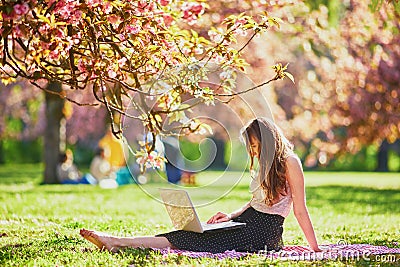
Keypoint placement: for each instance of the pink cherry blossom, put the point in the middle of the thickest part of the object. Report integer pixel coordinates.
(192, 20)
(133, 29)
(94, 3)
(191, 12)
(167, 56)
(10, 16)
(107, 7)
(169, 45)
(112, 74)
(44, 45)
(44, 29)
(241, 32)
(238, 26)
(17, 32)
(164, 2)
(197, 9)
(55, 54)
(147, 6)
(194, 8)
(114, 19)
(21, 9)
(240, 21)
(122, 37)
(68, 11)
(186, 14)
(152, 155)
(186, 50)
(81, 66)
(199, 49)
(140, 160)
(122, 61)
(215, 36)
(59, 33)
(217, 59)
(167, 20)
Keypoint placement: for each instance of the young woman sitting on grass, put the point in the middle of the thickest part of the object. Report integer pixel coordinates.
(278, 184)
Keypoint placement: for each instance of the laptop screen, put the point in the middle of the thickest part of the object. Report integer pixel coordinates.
(179, 207)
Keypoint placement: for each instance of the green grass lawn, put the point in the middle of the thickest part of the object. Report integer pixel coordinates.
(39, 224)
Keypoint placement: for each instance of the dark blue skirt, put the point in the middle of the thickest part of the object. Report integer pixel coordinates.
(263, 232)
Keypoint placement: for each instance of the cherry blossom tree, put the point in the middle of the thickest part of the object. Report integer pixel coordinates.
(137, 54)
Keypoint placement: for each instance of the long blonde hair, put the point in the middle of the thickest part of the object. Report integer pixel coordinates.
(274, 150)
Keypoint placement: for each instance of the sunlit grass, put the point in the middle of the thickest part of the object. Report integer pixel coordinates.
(39, 224)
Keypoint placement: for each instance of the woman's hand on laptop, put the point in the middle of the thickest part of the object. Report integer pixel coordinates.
(219, 217)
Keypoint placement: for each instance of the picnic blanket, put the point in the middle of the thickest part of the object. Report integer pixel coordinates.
(330, 252)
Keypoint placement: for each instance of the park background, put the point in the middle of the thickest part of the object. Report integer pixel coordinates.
(342, 114)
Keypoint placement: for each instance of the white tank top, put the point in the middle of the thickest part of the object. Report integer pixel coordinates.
(282, 207)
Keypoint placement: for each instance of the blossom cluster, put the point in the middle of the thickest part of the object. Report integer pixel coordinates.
(149, 159)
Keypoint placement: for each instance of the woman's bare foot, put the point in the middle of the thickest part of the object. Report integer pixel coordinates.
(101, 240)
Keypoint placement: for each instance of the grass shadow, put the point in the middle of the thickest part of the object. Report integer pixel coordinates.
(354, 199)
(349, 199)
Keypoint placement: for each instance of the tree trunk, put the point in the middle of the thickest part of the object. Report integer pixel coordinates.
(383, 157)
(54, 115)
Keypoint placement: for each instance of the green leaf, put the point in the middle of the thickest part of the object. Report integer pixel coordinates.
(290, 76)
(275, 21)
(184, 106)
(285, 67)
(8, 80)
(43, 18)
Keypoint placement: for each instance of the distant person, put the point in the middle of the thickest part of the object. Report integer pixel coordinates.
(68, 173)
(116, 154)
(100, 168)
(114, 151)
(174, 165)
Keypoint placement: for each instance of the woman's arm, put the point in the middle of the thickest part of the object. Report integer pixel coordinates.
(223, 217)
(296, 182)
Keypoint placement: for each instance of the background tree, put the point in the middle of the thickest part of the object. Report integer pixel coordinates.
(347, 78)
(20, 122)
(359, 78)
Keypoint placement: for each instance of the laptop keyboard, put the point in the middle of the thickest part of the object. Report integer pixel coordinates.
(212, 226)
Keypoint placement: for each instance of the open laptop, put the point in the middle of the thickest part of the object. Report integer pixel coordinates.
(183, 215)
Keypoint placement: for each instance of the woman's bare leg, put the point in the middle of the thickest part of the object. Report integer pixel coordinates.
(113, 243)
